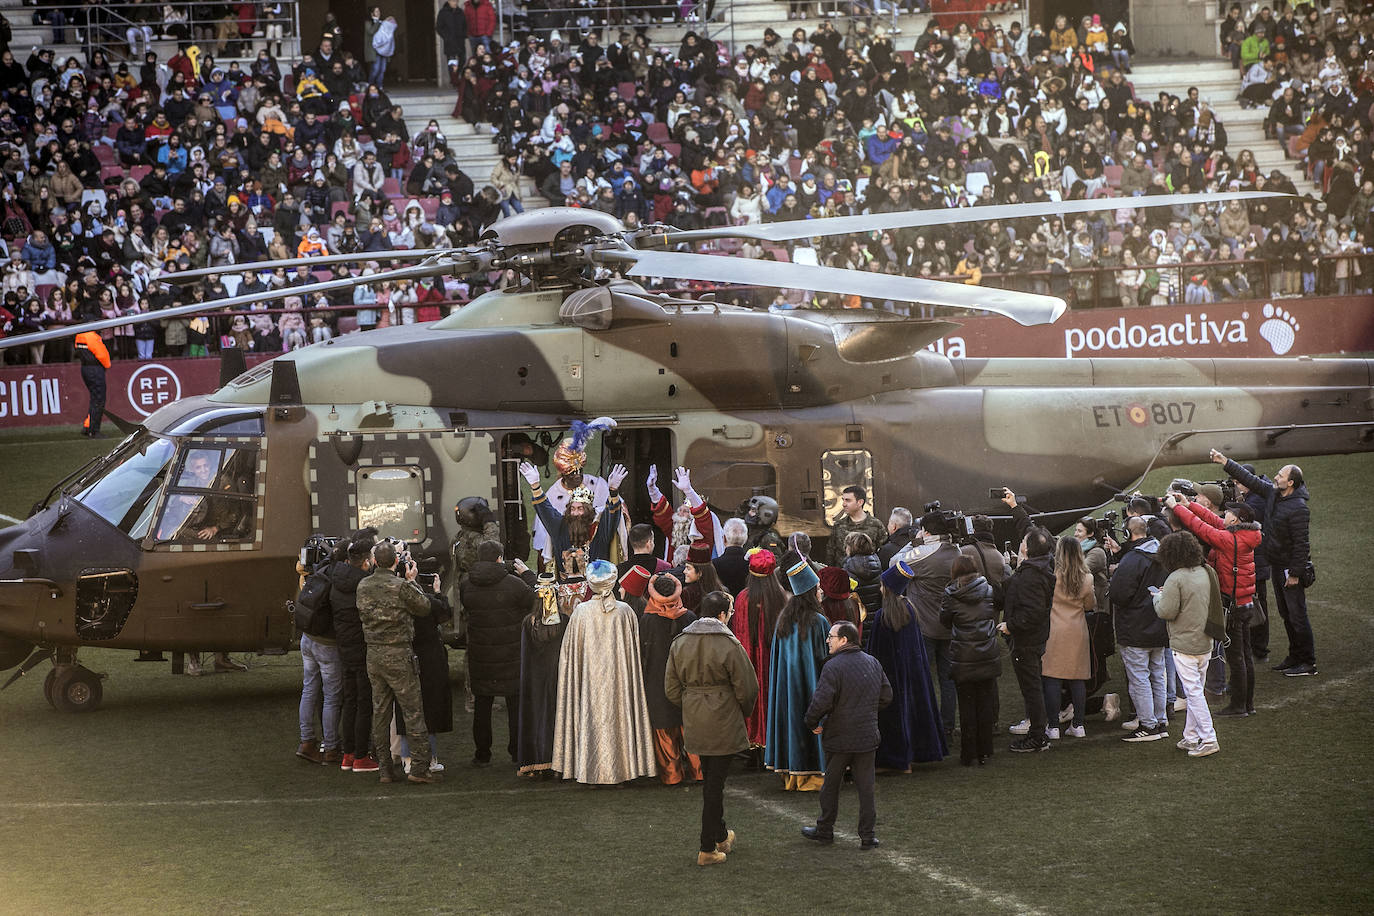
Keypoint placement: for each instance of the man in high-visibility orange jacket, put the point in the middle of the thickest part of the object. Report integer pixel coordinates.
(95, 359)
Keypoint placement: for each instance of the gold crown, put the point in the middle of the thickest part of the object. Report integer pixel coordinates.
(582, 495)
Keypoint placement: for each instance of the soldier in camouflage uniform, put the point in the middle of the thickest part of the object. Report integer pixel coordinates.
(854, 502)
(386, 604)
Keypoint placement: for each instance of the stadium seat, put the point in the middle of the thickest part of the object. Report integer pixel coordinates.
(657, 131)
(430, 207)
(392, 188)
(339, 206)
(347, 324)
(627, 89)
(140, 172)
(105, 154)
(1116, 238)
(44, 291)
(976, 182)
(1113, 175)
(674, 150)
(779, 254)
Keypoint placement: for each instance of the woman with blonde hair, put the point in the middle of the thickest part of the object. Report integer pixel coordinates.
(1067, 656)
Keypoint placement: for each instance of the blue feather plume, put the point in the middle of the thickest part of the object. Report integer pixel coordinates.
(581, 432)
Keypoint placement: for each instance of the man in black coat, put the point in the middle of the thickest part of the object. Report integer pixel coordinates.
(496, 602)
(900, 533)
(1259, 624)
(1140, 632)
(850, 691)
(732, 566)
(1288, 551)
(1030, 590)
(355, 711)
(452, 28)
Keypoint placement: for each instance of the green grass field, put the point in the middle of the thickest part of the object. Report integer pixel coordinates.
(182, 796)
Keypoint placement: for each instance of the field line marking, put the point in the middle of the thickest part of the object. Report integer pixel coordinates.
(899, 861)
(1332, 684)
(10, 518)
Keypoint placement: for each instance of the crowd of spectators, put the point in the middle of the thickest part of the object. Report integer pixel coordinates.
(115, 173)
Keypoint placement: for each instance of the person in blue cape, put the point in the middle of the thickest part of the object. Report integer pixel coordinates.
(910, 725)
(793, 750)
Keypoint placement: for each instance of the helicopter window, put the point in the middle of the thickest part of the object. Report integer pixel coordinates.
(845, 468)
(732, 483)
(127, 488)
(392, 500)
(212, 497)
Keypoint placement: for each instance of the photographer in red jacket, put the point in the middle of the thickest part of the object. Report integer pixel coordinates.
(1232, 541)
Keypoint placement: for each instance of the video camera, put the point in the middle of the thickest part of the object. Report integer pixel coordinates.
(957, 525)
(428, 579)
(317, 549)
(1105, 527)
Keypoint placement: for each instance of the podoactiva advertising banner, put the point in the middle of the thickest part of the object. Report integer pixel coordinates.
(1284, 327)
(51, 395)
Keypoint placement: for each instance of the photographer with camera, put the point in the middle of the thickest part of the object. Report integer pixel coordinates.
(1259, 620)
(1141, 634)
(1233, 541)
(388, 603)
(1030, 591)
(1289, 554)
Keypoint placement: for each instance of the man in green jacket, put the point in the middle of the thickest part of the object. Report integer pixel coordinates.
(388, 601)
(710, 676)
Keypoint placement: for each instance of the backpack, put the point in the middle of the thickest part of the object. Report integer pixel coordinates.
(311, 610)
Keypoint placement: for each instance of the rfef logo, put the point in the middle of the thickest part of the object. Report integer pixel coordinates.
(153, 386)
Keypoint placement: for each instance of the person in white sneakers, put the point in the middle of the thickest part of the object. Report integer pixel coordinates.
(1140, 633)
(1186, 604)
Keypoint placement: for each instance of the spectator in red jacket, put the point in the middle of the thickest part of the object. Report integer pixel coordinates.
(1231, 540)
(481, 19)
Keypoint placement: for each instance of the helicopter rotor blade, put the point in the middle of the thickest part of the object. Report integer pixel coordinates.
(400, 254)
(418, 271)
(845, 225)
(1023, 308)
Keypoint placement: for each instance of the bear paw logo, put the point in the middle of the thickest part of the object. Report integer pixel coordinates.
(1279, 329)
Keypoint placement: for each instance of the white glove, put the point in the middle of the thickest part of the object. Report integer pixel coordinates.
(530, 473)
(655, 494)
(617, 476)
(682, 479)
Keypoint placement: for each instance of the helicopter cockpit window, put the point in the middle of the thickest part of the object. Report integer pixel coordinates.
(125, 490)
(392, 500)
(845, 468)
(212, 496)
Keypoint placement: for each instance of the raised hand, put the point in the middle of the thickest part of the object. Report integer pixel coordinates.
(655, 493)
(617, 476)
(1217, 457)
(530, 473)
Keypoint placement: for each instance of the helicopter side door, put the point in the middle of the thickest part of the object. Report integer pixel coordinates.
(203, 542)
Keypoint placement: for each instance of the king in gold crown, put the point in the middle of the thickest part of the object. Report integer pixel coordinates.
(582, 495)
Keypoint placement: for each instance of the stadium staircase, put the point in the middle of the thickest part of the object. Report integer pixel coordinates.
(1218, 85)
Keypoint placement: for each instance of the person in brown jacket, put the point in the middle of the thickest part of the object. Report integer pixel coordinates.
(709, 675)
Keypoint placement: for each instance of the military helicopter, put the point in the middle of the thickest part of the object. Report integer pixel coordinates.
(183, 537)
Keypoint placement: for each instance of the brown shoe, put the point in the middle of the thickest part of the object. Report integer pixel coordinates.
(387, 778)
(425, 778)
(333, 756)
(310, 752)
(728, 844)
(711, 858)
(224, 663)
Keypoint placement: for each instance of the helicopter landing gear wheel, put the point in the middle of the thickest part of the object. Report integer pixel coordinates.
(76, 689)
(47, 688)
